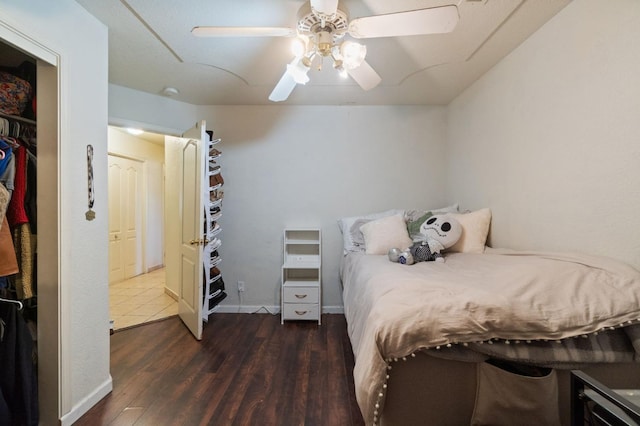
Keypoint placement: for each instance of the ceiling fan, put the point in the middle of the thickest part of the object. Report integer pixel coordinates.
(321, 27)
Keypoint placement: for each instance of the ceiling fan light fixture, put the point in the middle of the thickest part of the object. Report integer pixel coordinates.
(353, 54)
(298, 47)
(321, 26)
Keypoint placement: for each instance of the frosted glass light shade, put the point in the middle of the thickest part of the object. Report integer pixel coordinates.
(298, 47)
(353, 54)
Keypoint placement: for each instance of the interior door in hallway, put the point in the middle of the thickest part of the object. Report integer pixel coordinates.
(125, 218)
(192, 162)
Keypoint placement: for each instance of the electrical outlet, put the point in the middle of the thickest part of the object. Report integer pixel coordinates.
(240, 285)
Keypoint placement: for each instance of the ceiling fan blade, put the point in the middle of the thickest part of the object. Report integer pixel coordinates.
(326, 7)
(433, 20)
(365, 76)
(283, 89)
(243, 32)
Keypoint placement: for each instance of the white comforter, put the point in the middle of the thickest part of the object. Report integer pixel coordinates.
(393, 310)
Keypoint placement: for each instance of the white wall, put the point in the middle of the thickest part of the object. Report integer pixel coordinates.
(152, 156)
(550, 137)
(80, 43)
(304, 166)
(159, 114)
(309, 166)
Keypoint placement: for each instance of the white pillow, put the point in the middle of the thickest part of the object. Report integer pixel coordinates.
(475, 228)
(352, 237)
(382, 234)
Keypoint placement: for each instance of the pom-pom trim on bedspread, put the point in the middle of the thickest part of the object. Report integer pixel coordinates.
(381, 394)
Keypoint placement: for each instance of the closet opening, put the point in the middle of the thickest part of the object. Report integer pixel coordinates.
(30, 175)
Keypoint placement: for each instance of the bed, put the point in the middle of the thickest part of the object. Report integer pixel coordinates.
(426, 337)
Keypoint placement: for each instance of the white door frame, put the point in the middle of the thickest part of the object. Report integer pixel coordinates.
(54, 323)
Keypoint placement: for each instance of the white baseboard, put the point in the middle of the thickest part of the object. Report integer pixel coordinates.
(153, 268)
(333, 310)
(274, 310)
(171, 293)
(87, 402)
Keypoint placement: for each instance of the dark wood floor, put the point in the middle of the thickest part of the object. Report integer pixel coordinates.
(247, 370)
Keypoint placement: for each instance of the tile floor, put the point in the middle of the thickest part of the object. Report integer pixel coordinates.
(140, 299)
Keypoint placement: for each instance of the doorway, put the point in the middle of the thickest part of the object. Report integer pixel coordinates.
(138, 292)
(52, 376)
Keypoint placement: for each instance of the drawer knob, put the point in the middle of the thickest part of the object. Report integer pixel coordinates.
(301, 296)
(301, 312)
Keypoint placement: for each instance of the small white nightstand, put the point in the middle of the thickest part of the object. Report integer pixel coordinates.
(301, 297)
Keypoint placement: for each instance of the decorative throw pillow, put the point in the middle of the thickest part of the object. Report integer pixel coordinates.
(475, 228)
(352, 237)
(382, 234)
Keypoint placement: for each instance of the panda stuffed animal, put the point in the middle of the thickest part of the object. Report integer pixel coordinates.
(437, 233)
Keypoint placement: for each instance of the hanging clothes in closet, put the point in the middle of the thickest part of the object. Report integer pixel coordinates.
(17, 134)
(18, 287)
(18, 379)
(19, 181)
(21, 223)
(8, 261)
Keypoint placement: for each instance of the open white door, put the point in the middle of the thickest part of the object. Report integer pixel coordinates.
(192, 163)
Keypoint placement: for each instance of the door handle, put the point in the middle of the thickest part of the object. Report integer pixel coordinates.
(201, 242)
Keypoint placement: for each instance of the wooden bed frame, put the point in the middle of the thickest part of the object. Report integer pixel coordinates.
(426, 390)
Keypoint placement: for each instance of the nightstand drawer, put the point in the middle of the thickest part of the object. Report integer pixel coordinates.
(300, 311)
(300, 295)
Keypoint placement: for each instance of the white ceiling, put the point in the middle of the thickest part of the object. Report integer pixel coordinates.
(151, 47)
